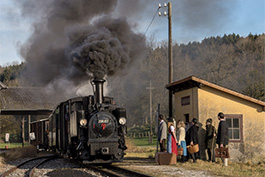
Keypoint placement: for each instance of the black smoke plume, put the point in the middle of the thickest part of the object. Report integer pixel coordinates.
(73, 41)
(106, 47)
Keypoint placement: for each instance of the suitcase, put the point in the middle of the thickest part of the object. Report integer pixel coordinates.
(222, 153)
(156, 156)
(167, 159)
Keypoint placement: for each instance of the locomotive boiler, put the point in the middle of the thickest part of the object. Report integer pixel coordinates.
(90, 129)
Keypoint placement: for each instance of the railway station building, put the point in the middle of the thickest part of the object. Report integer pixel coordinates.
(245, 116)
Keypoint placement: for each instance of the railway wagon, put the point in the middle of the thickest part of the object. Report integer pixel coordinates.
(39, 133)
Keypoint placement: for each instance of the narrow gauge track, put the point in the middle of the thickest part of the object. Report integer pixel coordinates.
(46, 158)
(115, 171)
(3, 150)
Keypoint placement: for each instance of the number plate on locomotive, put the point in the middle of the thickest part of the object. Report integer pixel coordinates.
(100, 121)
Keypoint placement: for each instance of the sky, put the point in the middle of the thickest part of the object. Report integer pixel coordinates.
(192, 21)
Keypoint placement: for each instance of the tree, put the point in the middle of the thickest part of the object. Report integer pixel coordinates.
(11, 125)
(254, 85)
(10, 74)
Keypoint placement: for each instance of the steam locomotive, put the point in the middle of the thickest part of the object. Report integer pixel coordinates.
(90, 129)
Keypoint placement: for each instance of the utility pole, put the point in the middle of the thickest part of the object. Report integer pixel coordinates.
(158, 113)
(22, 131)
(170, 55)
(150, 88)
(29, 128)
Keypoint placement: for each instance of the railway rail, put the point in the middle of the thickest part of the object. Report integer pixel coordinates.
(29, 167)
(3, 150)
(115, 171)
(12, 170)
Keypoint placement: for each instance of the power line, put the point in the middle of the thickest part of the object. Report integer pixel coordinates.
(150, 23)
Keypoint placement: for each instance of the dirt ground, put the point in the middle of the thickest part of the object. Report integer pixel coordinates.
(189, 169)
(150, 167)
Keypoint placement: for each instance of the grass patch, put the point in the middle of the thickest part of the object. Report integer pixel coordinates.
(140, 154)
(139, 147)
(144, 141)
(12, 145)
(233, 168)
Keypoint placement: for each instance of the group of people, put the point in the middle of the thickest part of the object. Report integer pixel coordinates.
(187, 135)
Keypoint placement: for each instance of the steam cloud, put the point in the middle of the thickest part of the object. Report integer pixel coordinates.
(73, 41)
(77, 40)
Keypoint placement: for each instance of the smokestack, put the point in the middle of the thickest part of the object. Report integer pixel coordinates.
(98, 90)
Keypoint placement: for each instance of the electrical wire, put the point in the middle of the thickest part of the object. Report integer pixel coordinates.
(150, 23)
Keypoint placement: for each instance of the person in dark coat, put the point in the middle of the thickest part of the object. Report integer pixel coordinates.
(192, 137)
(222, 135)
(210, 140)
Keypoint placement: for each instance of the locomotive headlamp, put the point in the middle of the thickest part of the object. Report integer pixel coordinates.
(122, 121)
(83, 122)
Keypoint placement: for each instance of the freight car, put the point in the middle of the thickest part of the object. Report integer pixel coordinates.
(39, 132)
(91, 129)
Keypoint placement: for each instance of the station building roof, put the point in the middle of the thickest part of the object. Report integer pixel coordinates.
(193, 81)
(27, 100)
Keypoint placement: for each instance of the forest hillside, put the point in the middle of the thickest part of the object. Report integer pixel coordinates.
(230, 61)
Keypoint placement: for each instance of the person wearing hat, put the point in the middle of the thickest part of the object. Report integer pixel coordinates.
(210, 140)
(222, 135)
(192, 137)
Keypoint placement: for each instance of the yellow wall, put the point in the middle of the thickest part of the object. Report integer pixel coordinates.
(191, 109)
(212, 101)
(206, 102)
